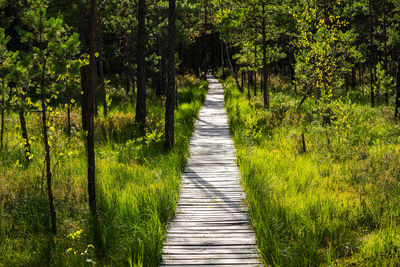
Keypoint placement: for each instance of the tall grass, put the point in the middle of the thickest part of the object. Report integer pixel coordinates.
(137, 185)
(337, 203)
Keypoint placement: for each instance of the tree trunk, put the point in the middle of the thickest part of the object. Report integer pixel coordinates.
(141, 56)
(242, 79)
(397, 108)
(47, 151)
(264, 60)
(205, 38)
(248, 84)
(24, 130)
(2, 115)
(126, 61)
(222, 59)
(169, 105)
(233, 69)
(68, 100)
(255, 72)
(255, 83)
(101, 63)
(385, 60)
(84, 70)
(371, 44)
(90, 133)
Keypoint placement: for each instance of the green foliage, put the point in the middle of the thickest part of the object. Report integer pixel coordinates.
(137, 188)
(324, 50)
(334, 204)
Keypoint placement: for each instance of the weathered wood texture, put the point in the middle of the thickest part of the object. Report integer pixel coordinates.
(211, 226)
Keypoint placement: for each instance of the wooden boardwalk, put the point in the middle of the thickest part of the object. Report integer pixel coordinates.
(211, 226)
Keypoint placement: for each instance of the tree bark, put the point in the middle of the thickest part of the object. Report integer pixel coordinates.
(101, 63)
(255, 72)
(90, 111)
(141, 56)
(169, 105)
(385, 57)
(82, 28)
(205, 38)
(2, 114)
(264, 60)
(68, 100)
(24, 130)
(249, 75)
(126, 61)
(397, 108)
(371, 44)
(90, 133)
(47, 151)
(233, 69)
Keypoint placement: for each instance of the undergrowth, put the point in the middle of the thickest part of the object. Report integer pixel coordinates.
(137, 186)
(330, 200)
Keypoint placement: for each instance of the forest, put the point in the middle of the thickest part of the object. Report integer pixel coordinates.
(99, 101)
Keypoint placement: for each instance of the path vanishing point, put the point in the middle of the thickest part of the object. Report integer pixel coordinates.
(211, 227)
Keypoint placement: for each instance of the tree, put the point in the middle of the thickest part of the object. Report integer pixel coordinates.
(141, 56)
(324, 51)
(7, 60)
(169, 105)
(47, 37)
(90, 133)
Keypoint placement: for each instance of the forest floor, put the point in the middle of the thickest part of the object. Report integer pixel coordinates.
(334, 200)
(137, 185)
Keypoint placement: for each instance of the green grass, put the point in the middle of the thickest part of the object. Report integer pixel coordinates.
(137, 186)
(336, 204)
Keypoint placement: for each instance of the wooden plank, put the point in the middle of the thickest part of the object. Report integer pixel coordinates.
(203, 235)
(210, 265)
(221, 224)
(211, 256)
(211, 226)
(211, 261)
(211, 241)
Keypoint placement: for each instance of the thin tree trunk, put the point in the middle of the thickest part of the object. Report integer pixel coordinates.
(248, 84)
(141, 78)
(84, 70)
(264, 60)
(385, 60)
(397, 108)
(90, 133)
(242, 79)
(255, 72)
(255, 83)
(371, 44)
(68, 100)
(222, 59)
(205, 38)
(24, 131)
(169, 105)
(125, 68)
(233, 69)
(47, 151)
(101, 63)
(2, 114)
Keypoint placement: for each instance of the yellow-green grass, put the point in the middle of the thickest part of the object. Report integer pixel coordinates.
(335, 204)
(137, 186)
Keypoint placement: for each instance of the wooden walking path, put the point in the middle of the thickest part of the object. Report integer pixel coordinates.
(211, 226)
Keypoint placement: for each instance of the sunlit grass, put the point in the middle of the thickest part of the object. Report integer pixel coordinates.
(137, 186)
(335, 204)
